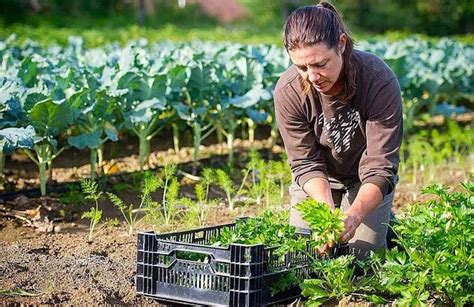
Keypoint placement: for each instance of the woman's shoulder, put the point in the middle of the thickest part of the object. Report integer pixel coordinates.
(289, 78)
(290, 86)
(371, 67)
(289, 91)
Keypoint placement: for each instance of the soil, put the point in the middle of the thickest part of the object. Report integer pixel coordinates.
(51, 262)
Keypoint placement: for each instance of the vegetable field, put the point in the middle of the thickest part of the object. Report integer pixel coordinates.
(97, 144)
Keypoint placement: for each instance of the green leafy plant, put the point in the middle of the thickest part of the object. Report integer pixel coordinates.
(286, 281)
(225, 183)
(72, 200)
(95, 124)
(91, 192)
(325, 225)
(274, 232)
(263, 186)
(281, 173)
(49, 120)
(433, 264)
(199, 210)
(270, 228)
(435, 259)
(165, 213)
(253, 165)
(337, 280)
(268, 180)
(130, 213)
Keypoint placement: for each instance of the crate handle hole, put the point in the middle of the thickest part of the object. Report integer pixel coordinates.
(193, 256)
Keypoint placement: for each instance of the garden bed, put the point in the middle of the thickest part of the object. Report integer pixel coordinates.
(55, 264)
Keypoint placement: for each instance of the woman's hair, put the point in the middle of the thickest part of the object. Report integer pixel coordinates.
(310, 25)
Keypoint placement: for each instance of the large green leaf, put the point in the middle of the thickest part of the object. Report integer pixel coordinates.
(15, 138)
(11, 113)
(86, 140)
(258, 117)
(178, 77)
(136, 85)
(145, 110)
(32, 96)
(111, 132)
(251, 98)
(159, 87)
(50, 118)
(28, 72)
(202, 81)
(183, 111)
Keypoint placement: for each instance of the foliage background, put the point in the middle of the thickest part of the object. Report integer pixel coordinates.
(113, 20)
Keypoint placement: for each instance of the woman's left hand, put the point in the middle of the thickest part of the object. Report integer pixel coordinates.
(351, 223)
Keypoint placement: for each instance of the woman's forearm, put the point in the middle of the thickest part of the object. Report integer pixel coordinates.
(367, 199)
(319, 190)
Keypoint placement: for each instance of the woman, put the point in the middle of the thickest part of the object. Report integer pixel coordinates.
(339, 112)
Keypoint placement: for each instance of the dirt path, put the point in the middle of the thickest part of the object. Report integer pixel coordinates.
(62, 267)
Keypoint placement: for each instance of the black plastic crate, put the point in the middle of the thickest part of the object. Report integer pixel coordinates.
(237, 275)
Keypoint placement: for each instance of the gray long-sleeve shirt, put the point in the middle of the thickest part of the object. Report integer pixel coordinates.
(327, 138)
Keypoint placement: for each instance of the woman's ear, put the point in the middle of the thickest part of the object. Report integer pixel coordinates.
(342, 42)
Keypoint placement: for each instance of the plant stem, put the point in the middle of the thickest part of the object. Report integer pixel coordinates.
(131, 222)
(251, 130)
(100, 158)
(230, 144)
(164, 202)
(244, 133)
(2, 162)
(207, 193)
(273, 134)
(44, 154)
(243, 183)
(230, 147)
(93, 159)
(220, 139)
(43, 177)
(282, 189)
(175, 137)
(144, 147)
(197, 141)
(91, 230)
(230, 200)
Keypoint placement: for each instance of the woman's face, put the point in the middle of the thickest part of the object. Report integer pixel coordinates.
(320, 66)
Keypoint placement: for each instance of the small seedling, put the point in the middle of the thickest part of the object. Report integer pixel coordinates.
(225, 182)
(91, 192)
(165, 213)
(130, 214)
(200, 209)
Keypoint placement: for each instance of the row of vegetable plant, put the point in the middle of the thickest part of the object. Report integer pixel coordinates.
(54, 98)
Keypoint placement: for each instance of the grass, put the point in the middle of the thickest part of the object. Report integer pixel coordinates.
(45, 35)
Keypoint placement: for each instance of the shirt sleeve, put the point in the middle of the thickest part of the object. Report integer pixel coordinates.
(304, 156)
(384, 132)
